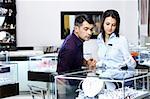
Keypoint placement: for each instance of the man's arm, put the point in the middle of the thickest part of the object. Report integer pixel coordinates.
(65, 60)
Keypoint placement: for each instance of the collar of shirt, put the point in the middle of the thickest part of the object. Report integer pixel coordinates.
(100, 38)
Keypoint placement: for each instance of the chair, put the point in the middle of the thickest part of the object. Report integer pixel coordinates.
(37, 91)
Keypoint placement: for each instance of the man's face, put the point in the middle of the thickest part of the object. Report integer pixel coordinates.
(84, 32)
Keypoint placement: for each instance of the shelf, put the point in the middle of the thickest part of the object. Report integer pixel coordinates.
(5, 43)
(7, 29)
(8, 25)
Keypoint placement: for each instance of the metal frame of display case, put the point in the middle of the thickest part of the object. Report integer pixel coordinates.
(68, 76)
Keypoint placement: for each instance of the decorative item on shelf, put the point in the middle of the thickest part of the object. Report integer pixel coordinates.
(2, 18)
(11, 26)
(9, 1)
(10, 11)
(3, 11)
(5, 37)
(51, 49)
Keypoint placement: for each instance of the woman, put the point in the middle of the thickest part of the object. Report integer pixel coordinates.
(113, 50)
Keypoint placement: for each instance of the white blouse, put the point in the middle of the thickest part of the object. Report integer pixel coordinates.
(114, 54)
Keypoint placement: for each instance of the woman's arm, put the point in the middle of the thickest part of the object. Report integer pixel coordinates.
(129, 61)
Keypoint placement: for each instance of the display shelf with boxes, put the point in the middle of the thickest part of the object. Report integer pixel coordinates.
(9, 85)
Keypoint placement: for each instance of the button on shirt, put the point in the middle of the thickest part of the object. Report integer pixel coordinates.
(115, 52)
(70, 57)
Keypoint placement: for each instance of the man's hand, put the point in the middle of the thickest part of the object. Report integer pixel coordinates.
(91, 63)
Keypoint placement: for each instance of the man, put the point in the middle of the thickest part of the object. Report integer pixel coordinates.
(70, 57)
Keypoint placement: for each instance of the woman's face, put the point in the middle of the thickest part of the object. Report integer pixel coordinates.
(109, 25)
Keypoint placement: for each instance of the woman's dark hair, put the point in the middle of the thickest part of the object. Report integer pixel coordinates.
(83, 17)
(114, 14)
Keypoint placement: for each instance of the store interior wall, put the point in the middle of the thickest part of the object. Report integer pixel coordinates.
(39, 24)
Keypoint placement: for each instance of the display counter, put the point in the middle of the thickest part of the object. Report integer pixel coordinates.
(120, 93)
(42, 68)
(21, 57)
(9, 84)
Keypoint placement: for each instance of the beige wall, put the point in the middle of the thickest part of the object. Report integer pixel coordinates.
(38, 21)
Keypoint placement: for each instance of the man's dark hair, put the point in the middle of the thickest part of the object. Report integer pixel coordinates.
(83, 17)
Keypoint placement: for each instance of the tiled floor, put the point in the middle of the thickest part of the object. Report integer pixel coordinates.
(25, 95)
(19, 97)
(22, 95)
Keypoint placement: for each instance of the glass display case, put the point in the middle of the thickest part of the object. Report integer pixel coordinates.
(43, 68)
(43, 63)
(92, 85)
(8, 73)
(8, 79)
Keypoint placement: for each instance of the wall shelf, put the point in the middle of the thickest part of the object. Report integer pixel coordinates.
(8, 25)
